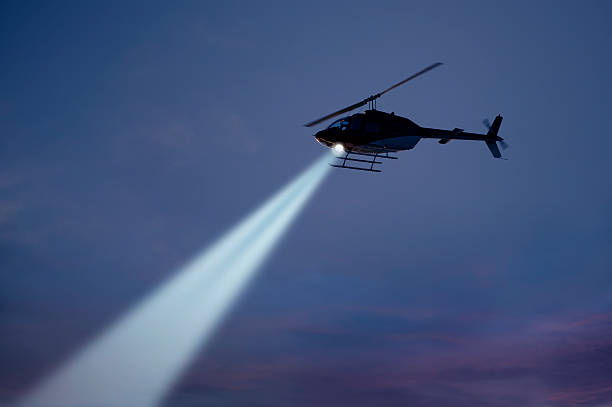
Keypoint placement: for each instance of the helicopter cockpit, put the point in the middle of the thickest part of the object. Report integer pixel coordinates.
(352, 122)
(342, 124)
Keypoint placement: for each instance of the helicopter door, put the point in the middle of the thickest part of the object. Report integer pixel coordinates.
(356, 124)
(372, 131)
(372, 128)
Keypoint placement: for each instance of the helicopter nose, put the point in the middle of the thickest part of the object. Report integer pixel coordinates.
(320, 139)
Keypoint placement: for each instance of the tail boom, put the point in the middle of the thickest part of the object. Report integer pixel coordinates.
(491, 138)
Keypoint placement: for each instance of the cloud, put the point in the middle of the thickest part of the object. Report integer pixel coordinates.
(550, 362)
(400, 312)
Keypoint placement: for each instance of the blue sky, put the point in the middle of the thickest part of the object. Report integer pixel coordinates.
(132, 136)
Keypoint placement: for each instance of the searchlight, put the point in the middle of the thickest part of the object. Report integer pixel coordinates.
(136, 360)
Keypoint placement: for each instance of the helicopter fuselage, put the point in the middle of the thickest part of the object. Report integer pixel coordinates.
(377, 131)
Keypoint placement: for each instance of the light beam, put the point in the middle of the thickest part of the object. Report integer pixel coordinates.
(138, 358)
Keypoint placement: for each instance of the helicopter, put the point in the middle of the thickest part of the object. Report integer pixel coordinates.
(375, 134)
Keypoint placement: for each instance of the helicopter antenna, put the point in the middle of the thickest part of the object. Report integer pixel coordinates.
(371, 101)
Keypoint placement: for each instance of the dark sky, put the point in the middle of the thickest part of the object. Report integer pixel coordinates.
(132, 136)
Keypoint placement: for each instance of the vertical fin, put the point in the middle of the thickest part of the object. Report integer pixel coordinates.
(493, 148)
(492, 133)
(495, 126)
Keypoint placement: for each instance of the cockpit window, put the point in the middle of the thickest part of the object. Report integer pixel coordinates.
(343, 124)
(335, 124)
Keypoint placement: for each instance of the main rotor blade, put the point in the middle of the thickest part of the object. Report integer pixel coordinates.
(429, 68)
(339, 112)
(373, 97)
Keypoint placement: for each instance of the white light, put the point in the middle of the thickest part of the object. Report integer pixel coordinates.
(338, 148)
(138, 358)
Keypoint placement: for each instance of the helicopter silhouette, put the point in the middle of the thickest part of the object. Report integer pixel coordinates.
(375, 134)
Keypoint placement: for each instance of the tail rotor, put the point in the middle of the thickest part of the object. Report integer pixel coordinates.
(490, 129)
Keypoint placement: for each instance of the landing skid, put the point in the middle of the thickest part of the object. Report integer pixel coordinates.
(373, 161)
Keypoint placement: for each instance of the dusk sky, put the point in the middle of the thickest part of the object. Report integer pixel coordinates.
(133, 136)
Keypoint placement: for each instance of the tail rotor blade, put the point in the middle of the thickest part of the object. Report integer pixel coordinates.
(487, 124)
